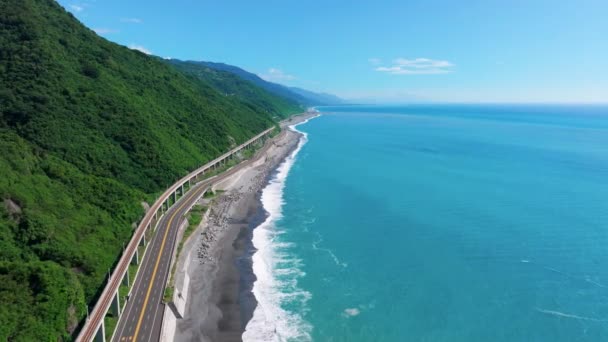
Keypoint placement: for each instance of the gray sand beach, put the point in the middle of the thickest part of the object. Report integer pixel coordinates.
(214, 266)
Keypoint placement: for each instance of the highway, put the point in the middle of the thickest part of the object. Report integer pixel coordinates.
(143, 313)
(94, 327)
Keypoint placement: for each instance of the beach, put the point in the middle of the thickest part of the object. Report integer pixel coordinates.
(214, 276)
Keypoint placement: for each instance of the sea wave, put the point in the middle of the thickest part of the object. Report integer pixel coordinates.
(276, 271)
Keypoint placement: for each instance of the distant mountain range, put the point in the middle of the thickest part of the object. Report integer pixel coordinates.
(301, 96)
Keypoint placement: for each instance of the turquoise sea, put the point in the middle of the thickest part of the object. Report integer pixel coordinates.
(438, 223)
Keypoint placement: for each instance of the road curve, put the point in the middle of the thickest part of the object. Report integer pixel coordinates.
(94, 321)
(143, 313)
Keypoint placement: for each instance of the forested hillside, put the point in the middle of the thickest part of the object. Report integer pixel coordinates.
(88, 131)
(297, 95)
(232, 85)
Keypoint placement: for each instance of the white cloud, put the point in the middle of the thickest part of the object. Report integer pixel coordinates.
(131, 20)
(101, 31)
(417, 66)
(277, 75)
(140, 48)
(77, 8)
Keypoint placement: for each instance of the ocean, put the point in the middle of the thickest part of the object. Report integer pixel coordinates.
(438, 223)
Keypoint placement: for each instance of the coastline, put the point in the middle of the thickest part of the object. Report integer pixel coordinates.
(214, 274)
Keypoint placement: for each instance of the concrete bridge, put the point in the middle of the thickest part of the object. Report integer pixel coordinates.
(94, 328)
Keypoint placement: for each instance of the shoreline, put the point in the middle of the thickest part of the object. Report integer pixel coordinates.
(214, 273)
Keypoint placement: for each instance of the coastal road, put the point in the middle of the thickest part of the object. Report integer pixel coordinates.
(143, 314)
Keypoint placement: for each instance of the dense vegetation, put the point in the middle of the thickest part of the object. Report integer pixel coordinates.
(232, 85)
(88, 131)
(297, 95)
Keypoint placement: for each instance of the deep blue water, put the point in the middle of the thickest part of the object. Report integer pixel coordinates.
(446, 223)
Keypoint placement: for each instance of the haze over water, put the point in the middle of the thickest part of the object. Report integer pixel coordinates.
(447, 223)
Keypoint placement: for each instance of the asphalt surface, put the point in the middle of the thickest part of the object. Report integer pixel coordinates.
(143, 314)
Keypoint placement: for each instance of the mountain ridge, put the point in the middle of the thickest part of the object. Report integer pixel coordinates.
(302, 96)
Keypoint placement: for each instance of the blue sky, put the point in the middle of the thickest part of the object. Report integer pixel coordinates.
(382, 50)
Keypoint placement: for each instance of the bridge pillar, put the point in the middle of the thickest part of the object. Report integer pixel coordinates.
(135, 259)
(115, 306)
(125, 280)
(142, 242)
(100, 336)
(182, 192)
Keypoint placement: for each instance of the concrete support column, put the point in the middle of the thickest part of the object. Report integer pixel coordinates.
(142, 242)
(135, 259)
(125, 280)
(183, 189)
(100, 336)
(115, 306)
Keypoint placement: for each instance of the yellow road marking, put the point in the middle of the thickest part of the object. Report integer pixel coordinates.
(162, 246)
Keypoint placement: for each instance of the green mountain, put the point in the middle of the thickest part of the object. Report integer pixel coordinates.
(298, 95)
(89, 130)
(233, 85)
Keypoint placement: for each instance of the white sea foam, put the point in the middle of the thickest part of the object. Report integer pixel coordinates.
(567, 315)
(315, 246)
(276, 271)
(351, 312)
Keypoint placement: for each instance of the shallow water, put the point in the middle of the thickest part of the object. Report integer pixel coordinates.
(439, 223)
